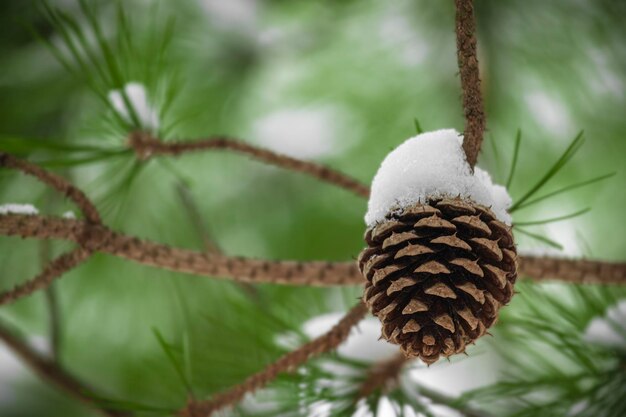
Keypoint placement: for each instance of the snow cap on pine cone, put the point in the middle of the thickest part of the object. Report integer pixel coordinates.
(429, 166)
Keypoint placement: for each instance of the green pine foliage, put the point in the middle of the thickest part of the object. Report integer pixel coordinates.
(150, 339)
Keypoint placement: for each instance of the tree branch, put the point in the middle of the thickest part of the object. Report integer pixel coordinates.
(58, 183)
(313, 273)
(50, 371)
(470, 79)
(102, 239)
(53, 270)
(288, 363)
(573, 271)
(146, 146)
(382, 375)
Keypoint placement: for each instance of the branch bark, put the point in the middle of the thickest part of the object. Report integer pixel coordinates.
(470, 79)
(288, 363)
(53, 270)
(146, 146)
(383, 375)
(314, 273)
(50, 371)
(102, 239)
(60, 184)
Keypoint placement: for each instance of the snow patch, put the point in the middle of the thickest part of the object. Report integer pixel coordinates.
(609, 330)
(302, 132)
(548, 112)
(429, 166)
(18, 209)
(138, 98)
(239, 15)
(399, 33)
(363, 344)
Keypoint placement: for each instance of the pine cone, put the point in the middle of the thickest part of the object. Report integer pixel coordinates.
(437, 275)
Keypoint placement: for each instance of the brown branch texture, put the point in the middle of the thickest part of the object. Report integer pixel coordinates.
(314, 273)
(470, 79)
(287, 363)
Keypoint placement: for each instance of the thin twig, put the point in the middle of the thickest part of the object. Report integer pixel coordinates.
(52, 304)
(383, 375)
(58, 183)
(288, 363)
(190, 206)
(53, 270)
(209, 244)
(50, 371)
(313, 273)
(146, 146)
(470, 79)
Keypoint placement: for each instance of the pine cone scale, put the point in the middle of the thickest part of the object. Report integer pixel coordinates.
(437, 275)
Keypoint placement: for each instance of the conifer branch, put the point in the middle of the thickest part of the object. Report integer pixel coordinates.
(97, 237)
(53, 270)
(313, 273)
(573, 271)
(58, 183)
(102, 239)
(287, 363)
(145, 146)
(382, 375)
(470, 79)
(50, 371)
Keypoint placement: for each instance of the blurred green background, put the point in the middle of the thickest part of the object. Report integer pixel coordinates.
(335, 82)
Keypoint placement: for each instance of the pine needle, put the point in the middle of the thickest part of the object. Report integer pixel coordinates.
(558, 165)
(518, 140)
(540, 238)
(109, 58)
(171, 356)
(567, 188)
(418, 127)
(554, 219)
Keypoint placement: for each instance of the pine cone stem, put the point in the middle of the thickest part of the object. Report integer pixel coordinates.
(470, 79)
